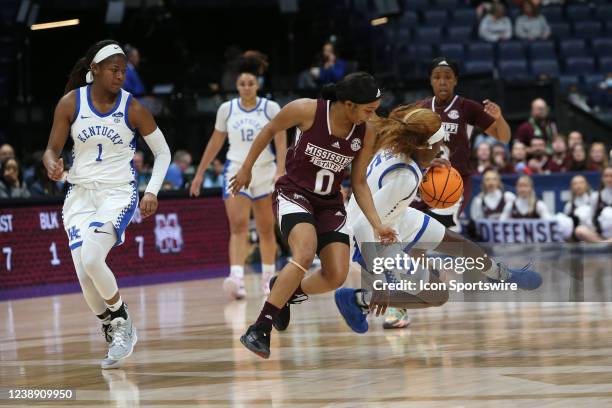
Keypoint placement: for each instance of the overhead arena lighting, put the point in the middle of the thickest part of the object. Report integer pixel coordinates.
(55, 24)
(379, 21)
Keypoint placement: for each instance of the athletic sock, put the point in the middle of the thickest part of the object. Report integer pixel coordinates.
(497, 271)
(237, 271)
(267, 316)
(363, 298)
(117, 309)
(105, 317)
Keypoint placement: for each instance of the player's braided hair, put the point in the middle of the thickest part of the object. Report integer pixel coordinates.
(76, 79)
(407, 129)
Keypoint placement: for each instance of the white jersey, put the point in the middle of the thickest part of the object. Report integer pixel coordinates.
(242, 126)
(104, 144)
(393, 181)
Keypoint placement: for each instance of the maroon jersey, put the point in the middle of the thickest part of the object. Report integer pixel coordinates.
(459, 118)
(316, 160)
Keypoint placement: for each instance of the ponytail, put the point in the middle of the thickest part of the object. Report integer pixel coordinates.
(76, 79)
(358, 87)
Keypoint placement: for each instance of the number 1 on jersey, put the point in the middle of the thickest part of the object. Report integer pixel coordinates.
(99, 158)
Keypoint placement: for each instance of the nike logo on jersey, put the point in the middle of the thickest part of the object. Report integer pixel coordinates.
(97, 231)
(339, 213)
(336, 145)
(85, 117)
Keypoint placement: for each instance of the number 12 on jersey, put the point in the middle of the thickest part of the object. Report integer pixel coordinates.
(247, 135)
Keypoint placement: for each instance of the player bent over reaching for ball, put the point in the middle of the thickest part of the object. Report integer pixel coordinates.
(414, 137)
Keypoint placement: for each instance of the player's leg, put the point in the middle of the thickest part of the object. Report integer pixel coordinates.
(265, 224)
(238, 209)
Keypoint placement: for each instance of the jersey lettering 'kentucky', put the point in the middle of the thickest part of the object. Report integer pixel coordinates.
(317, 159)
(459, 118)
(105, 131)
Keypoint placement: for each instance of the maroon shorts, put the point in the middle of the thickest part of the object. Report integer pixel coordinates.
(294, 205)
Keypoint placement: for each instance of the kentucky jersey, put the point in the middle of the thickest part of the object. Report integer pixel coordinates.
(104, 144)
(242, 126)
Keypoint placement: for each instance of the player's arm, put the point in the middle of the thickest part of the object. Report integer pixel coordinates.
(213, 147)
(280, 142)
(142, 120)
(64, 112)
(397, 186)
(296, 113)
(361, 190)
(500, 129)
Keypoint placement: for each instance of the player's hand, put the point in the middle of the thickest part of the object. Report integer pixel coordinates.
(196, 186)
(492, 109)
(387, 235)
(148, 205)
(440, 162)
(241, 180)
(55, 171)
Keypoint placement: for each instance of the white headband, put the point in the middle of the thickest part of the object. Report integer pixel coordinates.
(104, 53)
(436, 137)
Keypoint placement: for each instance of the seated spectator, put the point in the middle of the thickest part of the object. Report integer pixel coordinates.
(500, 159)
(600, 228)
(180, 163)
(538, 145)
(535, 163)
(143, 174)
(525, 205)
(11, 184)
(558, 162)
(42, 185)
(598, 159)
(577, 98)
(519, 156)
(496, 26)
(333, 68)
(574, 138)
(538, 124)
(6, 151)
(133, 84)
(483, 158)
(490, 202)
(213, 178)
(531, 25)
(578, 158)
(308, 78)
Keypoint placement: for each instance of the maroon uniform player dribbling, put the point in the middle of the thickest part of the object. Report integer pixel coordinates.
(331, 133)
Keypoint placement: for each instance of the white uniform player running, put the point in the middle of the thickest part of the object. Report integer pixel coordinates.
(102, 119)
(240, 120)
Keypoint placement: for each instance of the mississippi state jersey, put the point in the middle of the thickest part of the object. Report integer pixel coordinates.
(242, 126)
(104, 144)
(459, 118)
(402, 174)
(316, 160)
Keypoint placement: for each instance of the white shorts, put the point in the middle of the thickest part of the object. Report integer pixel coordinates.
(262, 181)
(84, 208)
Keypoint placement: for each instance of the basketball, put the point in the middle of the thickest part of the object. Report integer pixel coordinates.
(441, 187)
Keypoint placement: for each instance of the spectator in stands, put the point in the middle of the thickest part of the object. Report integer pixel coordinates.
(143, 174)
(11, 184)
(578, 158)
(598, 159)
(180, 163)
(492, 199)
(526, 204)
(333, 68)
(133, 83)
(213, 177)
(496, 26)
(500, 159)
(484, 159)
(6, 151)
(574, 138)
(308, 78)
(519, 156)
(538, 124)
(600, 228)
(558, 162)
(538, 145)
(578, 208)
(535, 163)
(531, 25)
(42, 185)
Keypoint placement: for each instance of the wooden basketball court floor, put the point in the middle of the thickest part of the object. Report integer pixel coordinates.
(188, 354)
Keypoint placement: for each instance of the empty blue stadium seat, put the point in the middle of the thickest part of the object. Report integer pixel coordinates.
(592, 80)
(566, 80)
(464, 16)
(511, 50)
(578, 12)
(445, 4)
(580, 65)
(573, 48)
(513, 69)
(549, 67)
(478, 66)
(416, 4)
(480, 50)
(459, 33)
(435, 17)
(560, 30)
(542, 50)
(553, 14)
(588, 29)
(424, 53)
(452, 51)
(602, 46)
(604, 12)
(408, 19)
(605, 64)
(428, 35)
